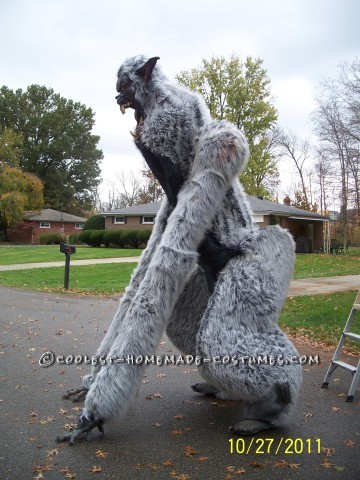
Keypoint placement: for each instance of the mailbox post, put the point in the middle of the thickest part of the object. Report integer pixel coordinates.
(68, 250)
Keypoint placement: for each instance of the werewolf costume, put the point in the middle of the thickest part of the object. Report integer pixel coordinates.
(209, 277)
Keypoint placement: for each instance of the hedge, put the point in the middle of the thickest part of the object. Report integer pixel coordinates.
(120, 238)
(96, 222)
(51, 238)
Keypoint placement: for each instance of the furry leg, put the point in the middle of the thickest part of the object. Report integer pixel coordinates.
(189, 309)
(114, 385)
(79, 393)
(241, 322)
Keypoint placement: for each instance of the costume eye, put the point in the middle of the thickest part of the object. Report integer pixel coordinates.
(124, 86)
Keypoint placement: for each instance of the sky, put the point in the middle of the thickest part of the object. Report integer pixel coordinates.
(76, 47)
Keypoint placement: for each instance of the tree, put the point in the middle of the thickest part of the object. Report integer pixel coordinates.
(151, 190)
(239, 92)
(19, 191)
(10, 148)
(299, 153)
(124, 191)
(58, 146)
(337, 125)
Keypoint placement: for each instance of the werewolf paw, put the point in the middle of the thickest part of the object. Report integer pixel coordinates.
(78, 394)
(205, 389)
(249, 427)
(85, 425)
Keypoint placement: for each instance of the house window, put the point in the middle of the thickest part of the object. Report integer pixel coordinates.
(44, 224)
(148, 220)
(79, 226)
(119, 220)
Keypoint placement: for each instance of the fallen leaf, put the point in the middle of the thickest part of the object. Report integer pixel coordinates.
(335, 409)
(39, 476)
(101, 454)
(349, 443)
(189, 451)
(281, 464)
(176, 432)
(294, 465)
(69, 426)
(51, 453)
(202, 459)
(326, 464)
(328, 451)
(62, 411)
(70, 475)
(157, 395)
(167, 463)
(95, 469)
(256, 465)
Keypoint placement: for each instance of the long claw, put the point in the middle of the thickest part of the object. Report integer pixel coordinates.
(78, 394)
(84, 425)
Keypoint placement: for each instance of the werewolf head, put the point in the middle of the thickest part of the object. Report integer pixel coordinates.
(141, 86)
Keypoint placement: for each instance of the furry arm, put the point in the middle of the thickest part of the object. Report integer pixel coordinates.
(223, 151)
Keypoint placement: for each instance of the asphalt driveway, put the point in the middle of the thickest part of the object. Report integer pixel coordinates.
(169, 431)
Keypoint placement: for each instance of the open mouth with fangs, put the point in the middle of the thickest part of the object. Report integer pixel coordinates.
(138, 117)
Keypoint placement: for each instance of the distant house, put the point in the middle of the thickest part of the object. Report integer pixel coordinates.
(306, 227)
(34, 224)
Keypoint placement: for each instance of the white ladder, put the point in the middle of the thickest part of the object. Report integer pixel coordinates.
(335, 362)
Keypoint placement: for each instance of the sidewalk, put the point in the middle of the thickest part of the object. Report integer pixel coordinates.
(306, 286)
(94, 261)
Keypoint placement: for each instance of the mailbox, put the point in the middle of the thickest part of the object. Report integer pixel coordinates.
(66, 248)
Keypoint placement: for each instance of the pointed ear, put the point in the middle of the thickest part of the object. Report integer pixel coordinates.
(146, 70)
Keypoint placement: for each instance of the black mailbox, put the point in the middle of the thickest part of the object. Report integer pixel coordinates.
(66, 248)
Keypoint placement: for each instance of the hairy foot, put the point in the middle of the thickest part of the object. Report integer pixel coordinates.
(84, 425)
(249, 427)
(205, 389)
(78, 394)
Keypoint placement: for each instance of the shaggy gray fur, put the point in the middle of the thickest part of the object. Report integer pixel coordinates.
(168, 290)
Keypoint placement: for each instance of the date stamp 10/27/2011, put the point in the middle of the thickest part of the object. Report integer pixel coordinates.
(264, 446)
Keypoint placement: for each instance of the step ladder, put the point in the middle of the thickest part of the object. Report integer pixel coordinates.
(335, 362)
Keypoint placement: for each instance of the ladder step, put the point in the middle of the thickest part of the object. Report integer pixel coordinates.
(347, 366)
(354, 336)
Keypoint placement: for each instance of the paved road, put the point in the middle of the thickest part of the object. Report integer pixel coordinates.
(169, 431)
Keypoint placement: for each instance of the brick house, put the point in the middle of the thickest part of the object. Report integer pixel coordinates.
(34, 224)
(306, 227)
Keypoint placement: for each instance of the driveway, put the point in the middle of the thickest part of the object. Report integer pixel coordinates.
(169, 432)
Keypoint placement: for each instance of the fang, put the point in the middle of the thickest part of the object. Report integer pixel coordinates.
(137, 137)
(122, 108)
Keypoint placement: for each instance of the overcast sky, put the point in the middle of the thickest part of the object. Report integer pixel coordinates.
(76, 47)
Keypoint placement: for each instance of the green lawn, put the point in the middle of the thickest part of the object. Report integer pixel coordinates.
(312, 265)
(306, 266)
(90, 279)
(10, 255)
(320, 317)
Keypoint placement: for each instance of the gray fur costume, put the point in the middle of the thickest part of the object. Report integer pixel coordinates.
(235, 313)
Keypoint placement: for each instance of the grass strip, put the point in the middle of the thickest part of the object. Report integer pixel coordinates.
(10, 255)
(320, 317)
(90, 279)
